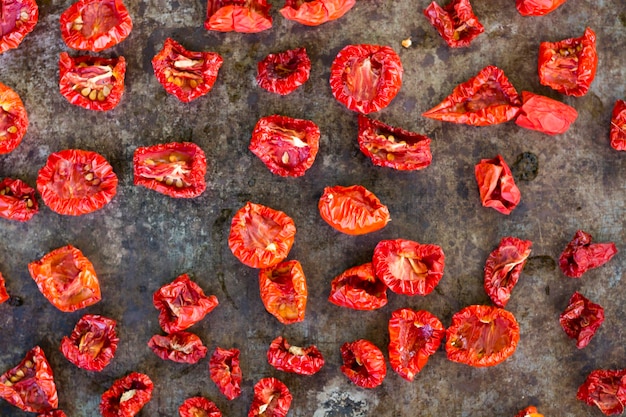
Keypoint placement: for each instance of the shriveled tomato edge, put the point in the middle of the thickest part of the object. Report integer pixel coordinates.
(307, 14)
(367, 355)
(595, 382)
(4, 296)
(110, 404)
(239, 18)
(13, 39)
(532, 9)
(344, 296)
(206, 405)
(530, 411)
(15, 207)
(298, 285)
(20, 118)
(443, 20)
(485, 192)
(280, 357)
(523, 248)
(617, 133)
(231, 388)
(275, 386)
(167, 351)
(529, 114)
(295, 79)
(593, 318)
(85, 360)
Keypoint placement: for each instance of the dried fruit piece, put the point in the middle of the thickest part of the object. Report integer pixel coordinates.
(17, 200)
(503, 268)
(17, 19)
(181, 347)
(92, 344)
(358, 288)
(271, 399)
(456, 22)
(302, 361)
(283, 72)
(618, 126)
(249, 16)
(496, 185)
(581, 319)
(315, 12)
(225, 371)
(127, 396)
(13, 119)
(363, 363)
(544, 114)
(580, 255)
(284, 292)
(605, 389)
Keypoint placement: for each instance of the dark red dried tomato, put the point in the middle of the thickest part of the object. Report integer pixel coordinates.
(92, 344)
(181, 347)
(199, 407)
(618, 126)
(225, 371)
(13, 119)
(271, 399)
(363, 363)
(581, 319)
(358, 288)
(456, 22)
(537, 7)
(580, 255)
(18, 19)
(55, 413)
(606, 389)
(496, 185)
(530, 411)
(284, 292)
(30, 385)
(315, 12)
(413, 337)
(544, 114)
(248, 16)
(299, 360)
(283, 72)
(17, 200)
(4, 296)
(127, 396)
(503, 268)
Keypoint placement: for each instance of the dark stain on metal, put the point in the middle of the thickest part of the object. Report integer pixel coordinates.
(525, 167)
(539, 263)
(16, 301)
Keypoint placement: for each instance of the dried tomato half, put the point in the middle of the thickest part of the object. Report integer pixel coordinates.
(261, 237)
(580, 255)
(55, 413)
(363, 363)
(248, 16)
(94, 25)
(283, 72)
(315, 12)
(358, 288)
(92, 344)
(456, 22)
(30, 385)
(271, 399)
(365, 78)
(18, 19)
(225, 371)
(353, 210)
(182, 304)
(4, 296)
(569, 66)
(537, 7)
(544, 114)
(186, 74)
(176, 169)
(503, 268)
(284, 292)
(606, 389)
(496, 185)
(66, 278)
(482, 336)
(485, 99)
(76, 182)
(127, 396)
(413, 337)
(199, 407)
(91, 82)
(581, 319)
(13, 119)
(182, 347)
(287, 146)
(530, 411)
(408, 267)
(17, 200)
(299, 360)
(618, 126)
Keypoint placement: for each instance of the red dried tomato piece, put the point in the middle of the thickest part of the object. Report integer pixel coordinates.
(182, 304)
(4, 296)
(92, 344)
(94, 25)
(55, 413)
(127, 396)
(482, 336)
(569, 66)
(199, 407)
(18, 19)
(580, 255)
(503, 268)
(299, 360)
(287, 146)
(182, 347)
(485, 99)
(284, 292)
(496, 185)
(618, 126)
(606, 389)
(544, 114)
(248, 16)
(358, 288)
(17, 200)
(75, 182)
(13, 120)
(66, 278)
(413, 337)
(271, 399)
(537, 7)
(530, 411)
(261, 237)
(581, 319)
(456, 22)
(30, 385)
(283, 72)
(365, 78)
(408, 267)
(225, 371)
(91, 82)
(186, 74)
(315, 12)
(176, 169)
(363, 363)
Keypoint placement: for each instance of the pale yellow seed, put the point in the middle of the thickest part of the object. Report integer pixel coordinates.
(6, 106)
(179, 183)
(106, 90)
(87, 167)
(178, 81)
(2, 192)
(193, 83)
(89, 176)
(159, 179)
(407, 42)
(12, 129)
(391, 138)
(29, 364)
(93, 95)
(101, 96)
(29, 204)
(285, 158)
(77, 26)
(96, 181)
(24, 15)
(19, 373)
(8, 383)
(390, 157)
(169, 181)
(149, 162)
(173, 158)
(170, 79)
(85, 91)
(271, 247)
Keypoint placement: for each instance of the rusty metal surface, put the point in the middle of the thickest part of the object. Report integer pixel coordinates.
(143, 239)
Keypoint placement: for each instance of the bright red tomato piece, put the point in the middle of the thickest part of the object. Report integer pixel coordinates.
(76, 182)
(225, 371)
(482, 336)
(18, 19)
(537, 7)
(605, 389)
(456, 22)
(186, 74)
(315, 12)
(248, 16)
(580, 255)
(413, 337)
(581, 319)
(363, 363)
(13, 120)
(496, 185)
(618, 126)
(4, 296)
(287, 146)
(94, 25)
(91, 82)
(299, 360)
(358, 288)
(545, 115)
(284, 292)
(66, 278)
(30, 385)
(366, 78)
(176, 169)
(181, 347)
(503, 268)
(17, 200)
(199, 407)
(271, 399)
(127, 396)
(530, 411)
(569, 66)
(55, 413)
(92, 344)
(282, 73)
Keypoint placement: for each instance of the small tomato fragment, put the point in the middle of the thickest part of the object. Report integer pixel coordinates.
(199, 407)
(413, 337)
(13, 120)
(92, 344)
(618, 126)
(18, 19)
(315, 12)
(581, 319)
(283, 72)
(530, 411)
(544, 114)
(248, 16)
(363, 363)
(358, 288)
(271, 399)
(225, 371)
(284, 292)
(503, 268)
(456, 22)
(606, 389)
(127, 396)
(496, 185)
(302, 361)
(537, 7)
(55, 413)
(181, 347)
(580, 255)
(66, 278)
(4, 296)
(17, 200)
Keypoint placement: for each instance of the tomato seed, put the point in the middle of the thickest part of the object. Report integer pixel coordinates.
(179, 183)
(193, 83)
(24, 15)
(12, 129)
(89, 176)
(169, 181)
(85, 91)
(93, 95)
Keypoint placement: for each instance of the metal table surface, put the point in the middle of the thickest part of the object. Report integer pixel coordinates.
(143, 240)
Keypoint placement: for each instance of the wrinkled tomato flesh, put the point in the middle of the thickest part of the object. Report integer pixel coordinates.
(92, 344)
(358, 288)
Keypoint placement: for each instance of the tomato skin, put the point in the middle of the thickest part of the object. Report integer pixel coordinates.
(618, 126)
(17, 200)
(225, 371)
(302, 361)
(282, 73)
(363, 363)
(580, 255)
(496, 185)
(545, 114)
(186, 74)
(456, 22)
(95, 25)
(30, 385)
(271, 399)
(315, 12)
(231, 15)
(92, 344)
(66, 278)
(4, 296)
(605, 389)
(470, 339)
(537, 7)
(13, 120)
(75, 182)
(530, 411)
(114, 402)
(199, 407)
(164, 167)
(181, 347)
(366, 78)
(358, 288)
(287, 146)
(284, 292)
(261, 237)
(569, 66)
(503, 268)
(413, 337)
(353, 210)
(581, 319)
(25, 15)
